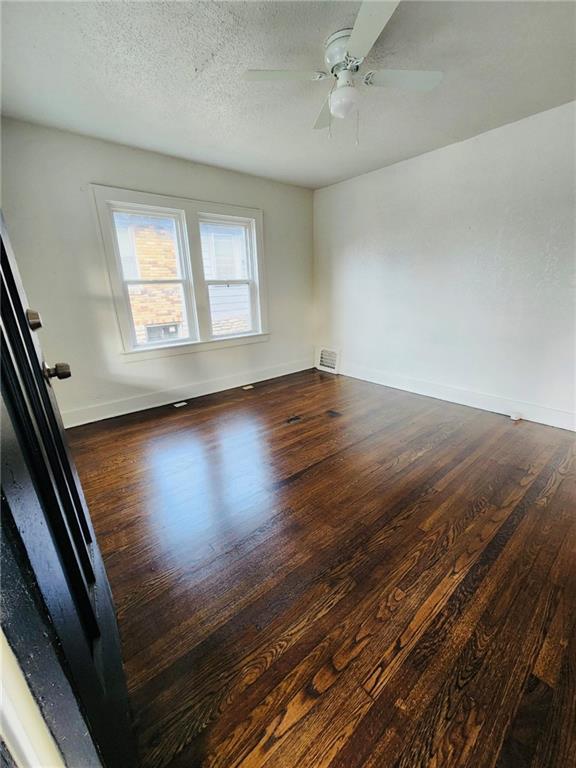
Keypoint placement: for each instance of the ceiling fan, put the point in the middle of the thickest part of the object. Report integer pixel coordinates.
(344, 54)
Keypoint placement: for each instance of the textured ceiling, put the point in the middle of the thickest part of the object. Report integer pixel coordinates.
(167, 77)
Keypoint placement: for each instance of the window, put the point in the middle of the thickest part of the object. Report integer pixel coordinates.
(182, 272)
(228, 275)
(154, 274)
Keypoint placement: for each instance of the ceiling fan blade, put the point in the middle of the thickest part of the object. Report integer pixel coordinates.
(323, 120)
(283, 74)
(409, 79)
(371, 20)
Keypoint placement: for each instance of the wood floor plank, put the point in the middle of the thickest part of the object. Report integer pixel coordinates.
(525, 730)
(431, 677)
(557, 746)
(387, 580)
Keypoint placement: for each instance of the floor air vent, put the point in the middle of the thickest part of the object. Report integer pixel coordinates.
(327, 360)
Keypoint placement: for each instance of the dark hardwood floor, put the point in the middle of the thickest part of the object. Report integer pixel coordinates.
(386, 580)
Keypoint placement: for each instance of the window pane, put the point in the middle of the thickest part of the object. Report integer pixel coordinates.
(224, 251)
(148, 246)
(158, 312)
(230, 309)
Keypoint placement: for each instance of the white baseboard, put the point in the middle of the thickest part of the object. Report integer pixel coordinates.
(553, 417)
(77, 416)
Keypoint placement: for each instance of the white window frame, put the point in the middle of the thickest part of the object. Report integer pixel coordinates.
(189, 213)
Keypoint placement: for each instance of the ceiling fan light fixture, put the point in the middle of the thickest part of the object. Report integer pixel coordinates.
(344, 98)
(343, 101)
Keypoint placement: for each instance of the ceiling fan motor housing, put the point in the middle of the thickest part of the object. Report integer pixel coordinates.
(336, 52)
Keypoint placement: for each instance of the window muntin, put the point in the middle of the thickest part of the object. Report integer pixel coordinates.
(206, 284)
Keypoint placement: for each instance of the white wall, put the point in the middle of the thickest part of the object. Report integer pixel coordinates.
(452, 274)
(49, 212)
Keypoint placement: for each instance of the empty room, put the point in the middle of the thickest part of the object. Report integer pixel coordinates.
(288, 384)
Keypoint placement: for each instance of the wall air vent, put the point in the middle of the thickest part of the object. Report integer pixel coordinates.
(327, 360)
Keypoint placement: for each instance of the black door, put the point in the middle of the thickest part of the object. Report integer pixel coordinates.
(43, 502)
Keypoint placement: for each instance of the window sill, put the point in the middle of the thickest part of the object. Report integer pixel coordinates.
(136, 355)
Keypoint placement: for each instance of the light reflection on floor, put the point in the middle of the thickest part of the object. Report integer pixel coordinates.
(208, 488)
